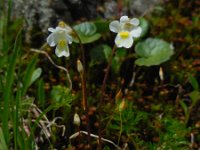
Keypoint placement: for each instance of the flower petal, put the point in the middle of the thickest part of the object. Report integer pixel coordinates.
(51, 29)
(120, 42)
(136, 32)
(51, 40)
(135, 21)
(62, 51)
(114, 26)
(60, 29)
(127, 43)
(68, 28)
(124, 19)
(69, 38)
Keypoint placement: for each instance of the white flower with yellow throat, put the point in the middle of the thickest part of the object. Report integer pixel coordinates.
(127, 29)
(60, 37)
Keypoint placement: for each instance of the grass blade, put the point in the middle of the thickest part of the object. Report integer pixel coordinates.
(3, 145)
(28, 75)
(8, 87)
(41, 93)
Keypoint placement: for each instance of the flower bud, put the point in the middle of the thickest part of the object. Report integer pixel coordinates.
(118, 96)
(122, 105)
(79, 66)
(161, 74)
(77, 120)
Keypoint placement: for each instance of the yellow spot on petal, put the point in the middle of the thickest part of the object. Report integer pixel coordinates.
(62, 24)
(124, 34)
(62, 43)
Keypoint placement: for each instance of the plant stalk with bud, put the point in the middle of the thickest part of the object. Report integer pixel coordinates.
(126, 30)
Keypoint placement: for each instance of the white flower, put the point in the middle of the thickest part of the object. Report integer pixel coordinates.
(126, 30)
(60, 37)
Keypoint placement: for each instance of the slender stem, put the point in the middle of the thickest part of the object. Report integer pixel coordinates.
(84, 102)
(84, 89)
(83, 76)
(59, 67)
(103, 93)
(120, 132)
(85, 105)
(83, 79)
(120, 6)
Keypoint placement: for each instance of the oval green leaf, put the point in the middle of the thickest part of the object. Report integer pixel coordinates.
(153, 51)
(86, 32)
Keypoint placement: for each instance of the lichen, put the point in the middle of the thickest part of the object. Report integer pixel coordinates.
(35, 13)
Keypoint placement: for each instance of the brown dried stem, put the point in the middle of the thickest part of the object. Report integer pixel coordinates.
(103, 88)
(55, 65)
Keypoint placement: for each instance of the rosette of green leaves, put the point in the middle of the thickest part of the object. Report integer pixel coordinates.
(153, 51)
(87, 32)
